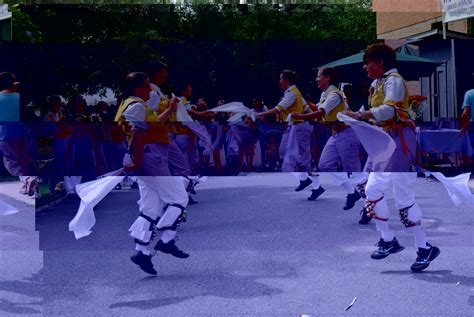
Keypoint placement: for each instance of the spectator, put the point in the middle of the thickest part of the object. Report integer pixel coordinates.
(468, 114)
(467, 117)
(13, 143)
(9, 98)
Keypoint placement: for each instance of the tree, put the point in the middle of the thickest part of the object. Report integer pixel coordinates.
(220, 47)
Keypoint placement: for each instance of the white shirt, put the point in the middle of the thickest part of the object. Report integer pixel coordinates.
(394, 90)
(135, 114)
(332, 101)
(289, 98)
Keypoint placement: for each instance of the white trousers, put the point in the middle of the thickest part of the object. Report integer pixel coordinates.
(155, 193)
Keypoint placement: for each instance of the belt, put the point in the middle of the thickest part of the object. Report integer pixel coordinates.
(339, 129)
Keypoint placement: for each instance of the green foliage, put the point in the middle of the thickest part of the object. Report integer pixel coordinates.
(24, 30)
(105, 40)
(91, 24)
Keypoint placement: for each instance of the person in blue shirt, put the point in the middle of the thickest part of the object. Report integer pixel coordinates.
(9, 98)
(468, 113)
(467, 118)
(13, 144)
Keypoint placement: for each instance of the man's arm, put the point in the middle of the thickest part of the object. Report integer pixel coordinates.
(465, 119)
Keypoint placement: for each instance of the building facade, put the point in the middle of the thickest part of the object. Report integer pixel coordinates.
(424, 25)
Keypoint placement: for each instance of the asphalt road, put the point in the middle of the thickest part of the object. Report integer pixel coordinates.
(21, 262)
(258, 248)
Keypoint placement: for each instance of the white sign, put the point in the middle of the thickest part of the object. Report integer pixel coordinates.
(4, 14)
(457, 9)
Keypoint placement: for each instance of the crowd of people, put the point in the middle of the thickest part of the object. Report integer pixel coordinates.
(75, 138)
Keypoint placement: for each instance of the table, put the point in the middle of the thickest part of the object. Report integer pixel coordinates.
(444, 141)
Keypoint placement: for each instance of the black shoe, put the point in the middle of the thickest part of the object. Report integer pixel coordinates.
(386, 248)
(171, 248)
(315, 193)
(364, 219)
(351, 199)
(134, 185)
(144, 262)
(191, 201)
(303, 184)
(190, 187)
(425, 256)
(118, 187)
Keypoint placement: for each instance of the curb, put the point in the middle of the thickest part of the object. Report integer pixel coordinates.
(45, 202)
(11, 190)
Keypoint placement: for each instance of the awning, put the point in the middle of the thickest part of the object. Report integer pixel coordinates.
(411, 67)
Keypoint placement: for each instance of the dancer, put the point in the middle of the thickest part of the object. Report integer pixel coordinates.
(295, 143)
(343, 147)
(159, 102)
(162, 199)
(389, 109)
(183, 135)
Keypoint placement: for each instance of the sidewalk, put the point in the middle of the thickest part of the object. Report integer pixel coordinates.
(12, 190)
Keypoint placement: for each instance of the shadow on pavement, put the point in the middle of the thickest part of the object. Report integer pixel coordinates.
(439, 277)
(221, 284)
(31, 287)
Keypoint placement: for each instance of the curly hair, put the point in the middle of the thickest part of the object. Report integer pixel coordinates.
(381, 52)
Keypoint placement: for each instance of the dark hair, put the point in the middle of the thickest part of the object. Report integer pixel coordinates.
(131, 82)
(7, 80)
(380, 51)
(154, 67)
(100, 103)
(333, 74)
(289, 75)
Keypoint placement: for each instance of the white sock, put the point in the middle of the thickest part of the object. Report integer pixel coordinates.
(348, 187)
(316, 183)
(387, 235)
(168, 235)
(301, 176)
(143, 248)
(420, 237)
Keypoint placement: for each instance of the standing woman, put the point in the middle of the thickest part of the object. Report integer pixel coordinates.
(295, 148)
(343, 146)
(159, 102)
(388, 107)
(162, 199)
